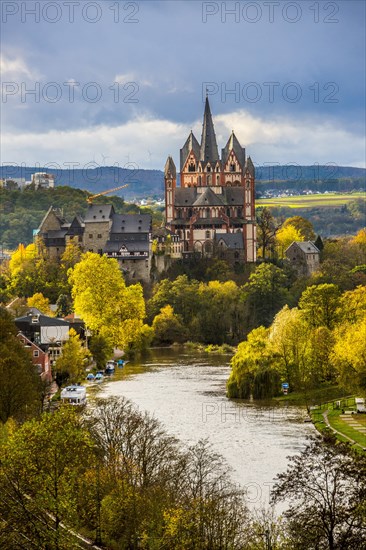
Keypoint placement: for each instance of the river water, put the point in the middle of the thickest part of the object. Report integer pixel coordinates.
(186, 392)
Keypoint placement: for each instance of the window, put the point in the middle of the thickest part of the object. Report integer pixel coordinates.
(191, 167)
(35, 353)
(208, 179)
(232, 167)
(99, 235)
(207, 235)
(90, 235)
(208, 168)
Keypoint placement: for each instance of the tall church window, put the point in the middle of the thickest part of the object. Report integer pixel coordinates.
(208, 235)
(208, 212)
(208, 168)
(208, 180)
(191, 167)
(232, 167)
(217, 179)
(228, 212)
(199, 180)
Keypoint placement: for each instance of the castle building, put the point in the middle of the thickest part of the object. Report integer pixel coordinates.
(213, 209)
(125, 237)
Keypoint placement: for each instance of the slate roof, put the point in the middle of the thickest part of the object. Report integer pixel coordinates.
(99, 213)
(191, 144)
(130, 223)
(57, 212)
(209, 151)
(250, 167)
(208, 198)
(131, 246)
(307, 247)
(56, 234)
(43, 320)
(234, 241)
(170, 167)
(188, 196)
(233, 145)
(185, 196)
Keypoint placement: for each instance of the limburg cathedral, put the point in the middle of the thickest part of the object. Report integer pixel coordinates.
(213, 209)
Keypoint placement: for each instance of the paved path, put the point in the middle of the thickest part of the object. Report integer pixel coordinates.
(358, 427)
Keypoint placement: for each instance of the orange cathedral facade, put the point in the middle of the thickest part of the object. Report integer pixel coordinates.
(213, 209)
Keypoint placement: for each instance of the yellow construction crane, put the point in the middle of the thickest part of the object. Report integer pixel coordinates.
(92, 197)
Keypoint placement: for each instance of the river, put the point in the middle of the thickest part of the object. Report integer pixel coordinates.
(186, 392)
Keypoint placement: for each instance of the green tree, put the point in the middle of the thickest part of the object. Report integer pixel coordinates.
(41, 465)
(264, 295)
(64, 305)
(320, 305)
(168, 327)
(20, 388)
(266, 232)
(71, 364)
(217, 317)
(101, 349)
(324, 488)
(253, 368)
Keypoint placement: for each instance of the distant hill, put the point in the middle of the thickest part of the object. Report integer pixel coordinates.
(144, 183)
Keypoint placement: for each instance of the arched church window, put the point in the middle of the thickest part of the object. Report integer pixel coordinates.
(228, 212)
(232, 167)
(217, 179)
(208, 180)
(191, 167)
(208, 168)
(208, 212)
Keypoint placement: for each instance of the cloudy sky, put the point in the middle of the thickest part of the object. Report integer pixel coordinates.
(116, 82)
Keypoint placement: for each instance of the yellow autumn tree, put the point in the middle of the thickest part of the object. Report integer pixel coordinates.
(20, 257)
(107, 306)
(286, 236)
(349, 355)
(40, 302)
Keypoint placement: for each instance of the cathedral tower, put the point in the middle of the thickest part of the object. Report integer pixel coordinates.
(213, 210)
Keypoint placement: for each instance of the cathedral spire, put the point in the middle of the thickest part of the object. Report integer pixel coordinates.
(209, 151)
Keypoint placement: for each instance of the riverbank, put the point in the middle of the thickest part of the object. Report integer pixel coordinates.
(342, 418)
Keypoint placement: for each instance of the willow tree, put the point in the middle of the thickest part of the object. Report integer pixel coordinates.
(107, 306)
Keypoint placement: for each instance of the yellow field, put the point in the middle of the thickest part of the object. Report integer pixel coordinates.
(311, 201)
